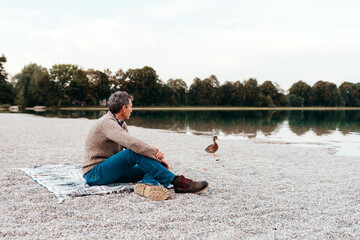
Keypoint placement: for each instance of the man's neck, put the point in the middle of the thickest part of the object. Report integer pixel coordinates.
(118, 115)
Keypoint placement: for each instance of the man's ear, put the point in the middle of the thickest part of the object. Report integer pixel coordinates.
(123, 108)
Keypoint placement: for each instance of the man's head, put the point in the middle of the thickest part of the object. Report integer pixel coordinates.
(120, 104)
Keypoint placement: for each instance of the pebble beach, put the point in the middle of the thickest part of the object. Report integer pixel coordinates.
(258, 190)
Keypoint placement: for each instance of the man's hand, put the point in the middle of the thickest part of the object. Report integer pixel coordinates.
(161, 156)
(165, 163)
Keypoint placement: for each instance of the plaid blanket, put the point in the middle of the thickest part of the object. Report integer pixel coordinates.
(66, 181)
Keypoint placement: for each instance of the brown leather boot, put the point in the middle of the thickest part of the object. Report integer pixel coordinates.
(185, 185)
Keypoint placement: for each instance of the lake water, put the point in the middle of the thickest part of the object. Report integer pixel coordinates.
(338, 130)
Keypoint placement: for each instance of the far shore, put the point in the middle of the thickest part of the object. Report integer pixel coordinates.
(184, 108)
(219, 108)
(188, 108)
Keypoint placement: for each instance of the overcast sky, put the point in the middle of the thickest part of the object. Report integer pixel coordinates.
(282, 41)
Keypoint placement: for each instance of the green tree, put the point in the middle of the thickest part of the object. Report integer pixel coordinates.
(283, 100)
(271, 95)
(19, 91)
(350, 94)
(3, 73)
(265, 101)
(252, 92)
(303, 90)
(28, 85)
(357, 95)
(268, 93)
(42, 90)
(228, 94)
(78, 89)
(61, 75)
(166, 96)
(326, 94)
(205, 92)
(100, 85)
(144, 85)
(232, 94)
(119, 81)
(295, 101)
(240, 96)
(179, 90)
(6, 89)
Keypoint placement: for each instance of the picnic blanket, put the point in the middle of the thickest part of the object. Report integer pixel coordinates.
(66, 181)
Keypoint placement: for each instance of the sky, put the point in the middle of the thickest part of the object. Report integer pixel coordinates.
(283, 41)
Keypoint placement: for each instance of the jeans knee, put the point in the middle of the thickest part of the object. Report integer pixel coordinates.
(92, 179)
(134, 155)
(137, 158)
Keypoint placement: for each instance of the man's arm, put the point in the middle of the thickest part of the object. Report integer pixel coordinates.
(114, 132)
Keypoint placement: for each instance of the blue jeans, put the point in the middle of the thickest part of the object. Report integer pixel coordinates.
(128, 166)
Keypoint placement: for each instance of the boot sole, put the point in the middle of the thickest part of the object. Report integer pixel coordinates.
(155, 193)
(202, 189)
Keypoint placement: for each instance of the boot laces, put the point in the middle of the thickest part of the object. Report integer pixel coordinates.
(185, 182)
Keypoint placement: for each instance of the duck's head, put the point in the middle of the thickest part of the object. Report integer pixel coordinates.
(215, 138)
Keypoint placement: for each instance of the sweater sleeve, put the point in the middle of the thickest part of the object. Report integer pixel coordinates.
(114, 132)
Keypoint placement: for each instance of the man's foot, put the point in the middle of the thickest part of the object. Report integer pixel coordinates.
(156, 193)
(185, 185)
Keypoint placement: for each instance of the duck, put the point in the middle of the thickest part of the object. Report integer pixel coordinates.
(213, 147)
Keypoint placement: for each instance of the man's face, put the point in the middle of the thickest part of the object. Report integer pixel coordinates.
(127, 111)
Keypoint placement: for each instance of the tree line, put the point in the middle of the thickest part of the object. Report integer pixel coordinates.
(69, 85)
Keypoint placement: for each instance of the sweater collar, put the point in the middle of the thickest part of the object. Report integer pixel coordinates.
(119, 122)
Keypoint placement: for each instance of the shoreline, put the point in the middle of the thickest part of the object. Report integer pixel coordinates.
(193, 108)
(224, 108)
(257, 190)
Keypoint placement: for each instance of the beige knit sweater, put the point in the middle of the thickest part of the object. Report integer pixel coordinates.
(107, 138)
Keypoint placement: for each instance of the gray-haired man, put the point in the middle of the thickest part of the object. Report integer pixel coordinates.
(113, 155)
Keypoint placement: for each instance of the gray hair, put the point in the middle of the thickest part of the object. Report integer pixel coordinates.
(117, 100)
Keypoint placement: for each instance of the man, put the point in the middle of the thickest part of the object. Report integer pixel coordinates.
(112, 155)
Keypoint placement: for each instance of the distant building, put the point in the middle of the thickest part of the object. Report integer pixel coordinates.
(103, 103)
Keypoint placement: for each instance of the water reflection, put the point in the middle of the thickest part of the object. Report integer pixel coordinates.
(323, 122)
(229, 122)
(247, 123)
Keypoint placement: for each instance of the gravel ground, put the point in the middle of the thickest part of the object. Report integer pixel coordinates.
(257, 190)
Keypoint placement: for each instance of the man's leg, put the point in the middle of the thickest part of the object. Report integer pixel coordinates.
(135, 174)
(153, 169)
(132, 175)
(116, 166)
